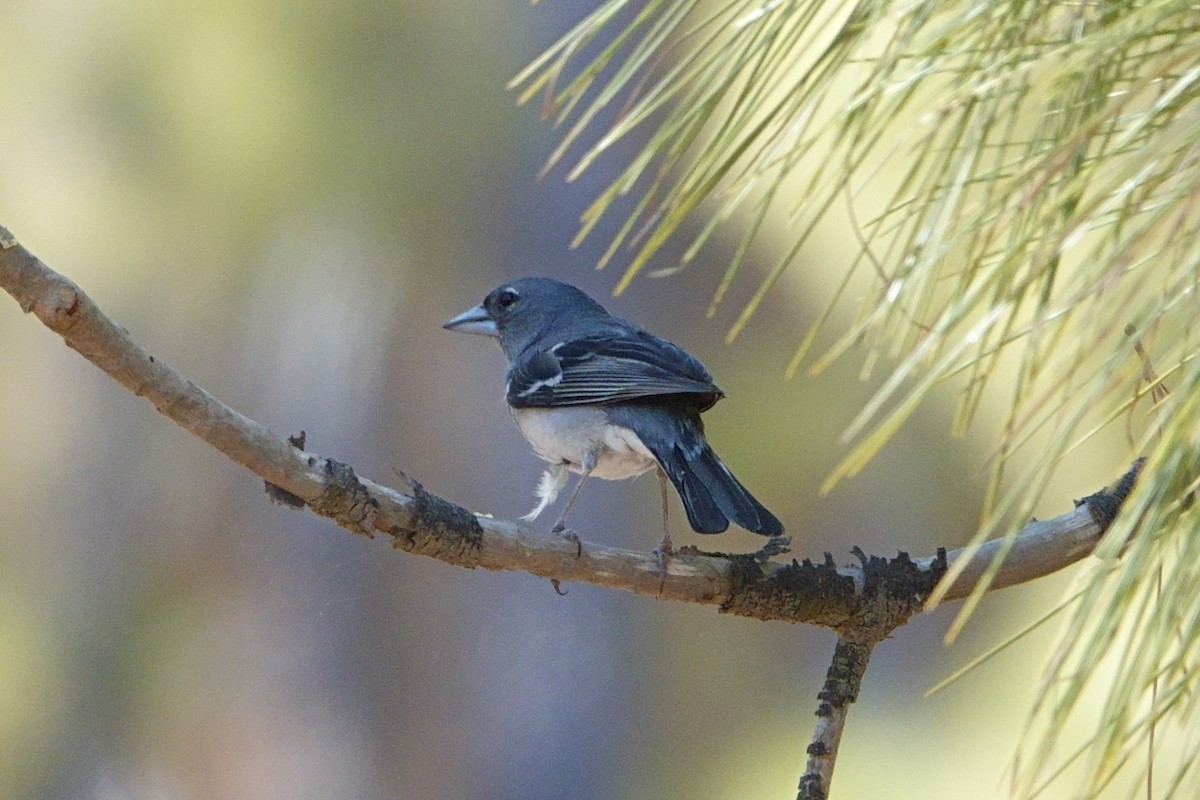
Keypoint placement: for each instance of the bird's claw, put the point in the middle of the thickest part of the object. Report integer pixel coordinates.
(775, 546)
(570, 535)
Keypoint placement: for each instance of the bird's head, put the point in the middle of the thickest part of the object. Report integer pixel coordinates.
(520, 312)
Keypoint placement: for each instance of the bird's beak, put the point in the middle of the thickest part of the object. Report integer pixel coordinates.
(474, 320)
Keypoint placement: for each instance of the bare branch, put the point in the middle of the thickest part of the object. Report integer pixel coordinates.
(419, 522)
(842, 683)
(1041, 548)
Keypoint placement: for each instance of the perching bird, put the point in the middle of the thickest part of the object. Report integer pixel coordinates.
(601, 397)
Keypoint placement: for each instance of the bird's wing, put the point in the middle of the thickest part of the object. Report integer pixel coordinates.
(603, 369)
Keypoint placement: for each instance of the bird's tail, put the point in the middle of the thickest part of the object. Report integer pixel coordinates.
(710, 494)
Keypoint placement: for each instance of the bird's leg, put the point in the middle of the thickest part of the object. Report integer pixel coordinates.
(664, 547)
(560, 527)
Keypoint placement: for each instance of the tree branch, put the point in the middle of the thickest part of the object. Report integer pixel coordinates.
(842, 683)
(422, 523)
(864, 603)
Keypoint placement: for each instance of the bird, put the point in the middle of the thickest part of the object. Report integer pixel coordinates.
(600, 397)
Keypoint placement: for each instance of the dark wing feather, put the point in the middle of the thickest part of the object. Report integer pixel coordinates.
(604, 369)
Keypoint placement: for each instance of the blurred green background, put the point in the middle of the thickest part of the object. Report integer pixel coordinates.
(284, 201)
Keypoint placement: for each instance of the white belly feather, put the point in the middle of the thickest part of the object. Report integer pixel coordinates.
(566, 436)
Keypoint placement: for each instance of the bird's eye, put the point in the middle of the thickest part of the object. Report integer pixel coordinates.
(507, 298)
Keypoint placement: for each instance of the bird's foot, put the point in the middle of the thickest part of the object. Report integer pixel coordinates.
(775, 546)
(569, 534)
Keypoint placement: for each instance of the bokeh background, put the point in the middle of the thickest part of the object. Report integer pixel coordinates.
(284, 201)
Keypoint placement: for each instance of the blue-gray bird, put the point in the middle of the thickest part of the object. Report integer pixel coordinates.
(600, 397)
